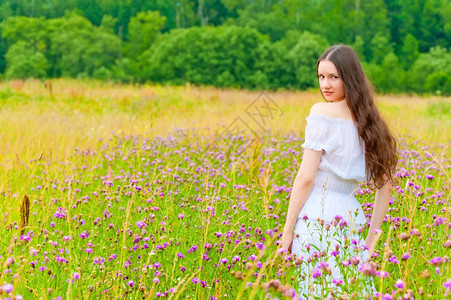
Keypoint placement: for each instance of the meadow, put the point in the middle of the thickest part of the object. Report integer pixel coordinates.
(138, 192)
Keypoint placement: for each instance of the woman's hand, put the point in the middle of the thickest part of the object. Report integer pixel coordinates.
(372, 239)
(287, 241)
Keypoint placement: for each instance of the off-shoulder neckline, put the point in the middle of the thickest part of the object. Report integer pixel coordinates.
(332, 118)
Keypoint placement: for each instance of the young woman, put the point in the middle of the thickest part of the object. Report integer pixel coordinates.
(346, 142)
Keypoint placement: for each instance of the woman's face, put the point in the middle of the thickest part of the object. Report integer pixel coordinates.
(330, 83)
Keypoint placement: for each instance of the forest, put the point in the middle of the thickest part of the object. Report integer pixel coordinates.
(252, 44)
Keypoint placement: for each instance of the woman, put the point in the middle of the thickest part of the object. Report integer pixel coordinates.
(346, 142)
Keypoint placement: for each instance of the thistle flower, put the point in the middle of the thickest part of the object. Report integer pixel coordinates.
(8, 288)
(400, 284)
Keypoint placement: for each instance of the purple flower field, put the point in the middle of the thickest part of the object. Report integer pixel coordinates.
(192, 217)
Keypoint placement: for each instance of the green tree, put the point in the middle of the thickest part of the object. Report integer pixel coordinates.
(392, 79)
(387, 76)
(79, 47)
(380, 46)
(274, 67)
(24, 61)
(359, 47)
(224, 55)
(304, 56)
(15, 29)
(3, 49)
(409, 50)
(108, 23)
(6, 10)
(273, 23)
(143, 31)
(446, 16)
(436, 60)
(432, 25)
(375, 23)
(439, 83)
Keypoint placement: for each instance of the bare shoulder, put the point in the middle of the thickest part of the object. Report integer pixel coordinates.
(334, 110)
(320, 108)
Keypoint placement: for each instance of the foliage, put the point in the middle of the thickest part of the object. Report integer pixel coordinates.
(224, 56)
(437, 65)
(87, 37)
(143, 30)
(25, 62)
(304, 56)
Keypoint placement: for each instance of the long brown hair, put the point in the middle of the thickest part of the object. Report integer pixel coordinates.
(380, 145)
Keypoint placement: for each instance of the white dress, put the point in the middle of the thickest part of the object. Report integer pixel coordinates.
(322, 244)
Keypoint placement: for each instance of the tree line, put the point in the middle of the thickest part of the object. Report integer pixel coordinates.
(256, 44)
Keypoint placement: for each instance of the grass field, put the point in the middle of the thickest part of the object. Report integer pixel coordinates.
(115, 191)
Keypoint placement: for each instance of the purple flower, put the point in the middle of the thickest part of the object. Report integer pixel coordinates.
(337, 282)
(60, 213)
(192, 249)
(316, 273)
(405, 256)
(156, 265)
(205, 257)
(259, 264)
(84, 234)
(447, 284)
(25, 238)
(366, 269)
(180, 255)
(130, 283)
(223, 261)
(252, 257)
(436, 261)
(8, 288)
(429, 177)
(76, 276)
(180, 216)
(382, 274)
(393, 259)
(182, 268)
(400, 284)
(259, 245)
(141, 224)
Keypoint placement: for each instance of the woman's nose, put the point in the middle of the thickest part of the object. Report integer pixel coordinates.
(326, 83)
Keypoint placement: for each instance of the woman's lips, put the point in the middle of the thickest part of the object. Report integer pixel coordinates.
(326, 93)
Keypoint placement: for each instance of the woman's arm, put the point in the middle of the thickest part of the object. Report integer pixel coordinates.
(302, 187)
(379, 211)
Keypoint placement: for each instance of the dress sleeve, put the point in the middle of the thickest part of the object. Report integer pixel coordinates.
(317, 134)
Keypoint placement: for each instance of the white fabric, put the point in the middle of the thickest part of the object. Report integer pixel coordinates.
(341, 168)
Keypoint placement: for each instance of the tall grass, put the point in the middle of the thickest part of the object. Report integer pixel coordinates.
(141, 171)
